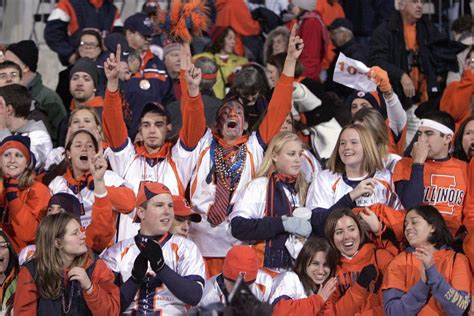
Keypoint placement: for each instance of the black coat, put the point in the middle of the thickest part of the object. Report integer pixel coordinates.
(388, 51)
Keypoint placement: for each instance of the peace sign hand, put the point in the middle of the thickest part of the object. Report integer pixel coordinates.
(111, 69)
(295, 45)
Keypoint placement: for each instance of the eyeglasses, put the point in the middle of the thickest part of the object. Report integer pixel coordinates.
(4, 245)
(11, 75)
(89, 45)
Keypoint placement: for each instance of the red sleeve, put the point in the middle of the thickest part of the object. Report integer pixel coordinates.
(194, 119)
(27, 211)
(305, 306)
(312, 33)
(349, 304)
(101, 230)
(391, 218)
(402, 170)
(461, 280)
(113, 124)
(122, 199)
(468, 209)
(456, 98)
(26, 296)
(105, 296)
(278, 109)
(242, 23)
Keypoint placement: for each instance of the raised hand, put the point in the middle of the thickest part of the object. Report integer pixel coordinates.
(79, 274)
(380, 77)
(420, 152)
(326, 291)
(367, 275)
(185, 56)
(295, 45)
(3, 113)
(425, 254)
(193, 78)
(152, 251)
(111, 69)
(98, 166)
(140, 265)
(369, 217)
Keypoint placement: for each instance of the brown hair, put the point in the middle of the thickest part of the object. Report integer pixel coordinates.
(49, 264)
(331, 223)
(371, 118)
(310, 248)
(373, 160)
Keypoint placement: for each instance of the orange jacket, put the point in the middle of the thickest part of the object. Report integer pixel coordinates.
(446, 185)
(351, 298)
(396, 146)
(405, 271)
(122, 198)
(456, 98)
(390, 219)
(103, 300)
(313, 305)
(96, 102)
(468, 220)
(101, 230)
(21, 215)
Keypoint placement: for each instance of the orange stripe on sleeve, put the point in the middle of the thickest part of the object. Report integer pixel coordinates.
(278, 109)
(113, 123)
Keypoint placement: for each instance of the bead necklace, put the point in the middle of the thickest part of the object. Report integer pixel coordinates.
(67, 308)
(232, 168)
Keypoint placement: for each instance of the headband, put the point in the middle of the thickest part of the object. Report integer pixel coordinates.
(437, 126)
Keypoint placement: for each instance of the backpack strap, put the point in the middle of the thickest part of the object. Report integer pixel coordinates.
(31, 266)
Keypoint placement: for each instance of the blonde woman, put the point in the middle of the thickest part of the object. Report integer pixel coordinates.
(263, 212)
(356, 177)
(383, 136)
(22, 198)
(64, 278)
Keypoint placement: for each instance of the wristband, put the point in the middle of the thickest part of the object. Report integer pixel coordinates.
(90, 287)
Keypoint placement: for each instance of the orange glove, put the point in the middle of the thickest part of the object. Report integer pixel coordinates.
(380, 77)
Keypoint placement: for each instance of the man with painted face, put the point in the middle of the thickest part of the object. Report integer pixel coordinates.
(153, 158)
(230, 158)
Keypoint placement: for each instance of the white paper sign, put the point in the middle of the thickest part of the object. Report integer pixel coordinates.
(353, 74)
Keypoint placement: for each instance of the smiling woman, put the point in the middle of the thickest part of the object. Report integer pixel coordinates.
(24, 200)
(360, 265)
(264, 210)
(310, 284)
(428, 269)
(355, 177)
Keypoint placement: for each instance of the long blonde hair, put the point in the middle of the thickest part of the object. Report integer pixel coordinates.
(268, 167)
(372, 157)
(49, 264)
(371, 118)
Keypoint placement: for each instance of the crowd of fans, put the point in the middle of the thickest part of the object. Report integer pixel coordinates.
(232, 173)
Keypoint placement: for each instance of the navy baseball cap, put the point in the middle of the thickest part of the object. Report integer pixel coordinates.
(141, 23)
(341, 22)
